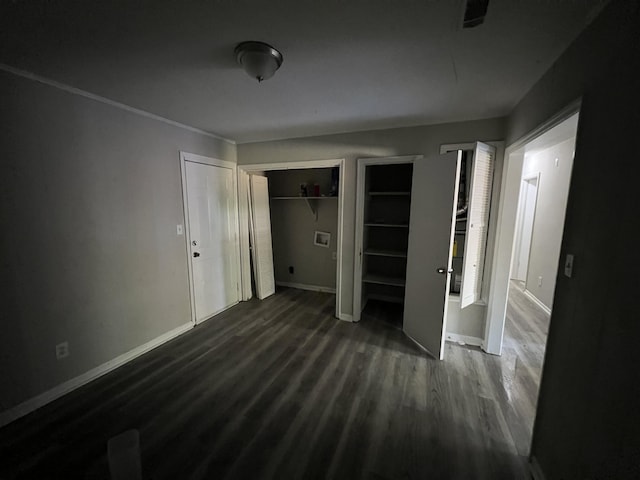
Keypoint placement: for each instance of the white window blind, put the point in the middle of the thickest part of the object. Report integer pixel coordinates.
(477, 224)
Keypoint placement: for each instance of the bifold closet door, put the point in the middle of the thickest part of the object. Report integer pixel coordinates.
(477, 224)
(433, 201)
(211, 205)
(262, 252)
(244, 201)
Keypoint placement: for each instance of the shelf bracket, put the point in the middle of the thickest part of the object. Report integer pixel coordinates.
(313, 206)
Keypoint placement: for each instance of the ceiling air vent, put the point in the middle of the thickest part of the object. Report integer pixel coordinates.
(474, 13)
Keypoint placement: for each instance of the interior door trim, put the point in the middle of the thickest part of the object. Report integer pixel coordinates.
(344, 178)
(215, 162)
(363, 163)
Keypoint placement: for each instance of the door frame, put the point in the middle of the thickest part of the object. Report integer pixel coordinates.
(362, 164)
(495, 195)
(506, 227)
(214, 162)
(517, 246)
(300, 165)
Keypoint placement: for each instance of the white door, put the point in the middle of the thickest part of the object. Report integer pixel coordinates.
(213, 248)
(244, 210)
(433, 199)
(262, 251)
(528, 210)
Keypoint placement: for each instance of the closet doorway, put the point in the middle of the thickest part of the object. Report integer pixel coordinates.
(405, 219)
(302, 204)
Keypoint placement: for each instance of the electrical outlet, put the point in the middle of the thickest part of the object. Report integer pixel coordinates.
(179, 229)
(556, 162)
(62, 350)
(539, 281)
(334, 256)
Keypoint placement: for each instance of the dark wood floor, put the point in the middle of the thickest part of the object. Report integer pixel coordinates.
(281, 389)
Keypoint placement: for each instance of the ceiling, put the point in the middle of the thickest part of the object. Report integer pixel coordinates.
(348, 64)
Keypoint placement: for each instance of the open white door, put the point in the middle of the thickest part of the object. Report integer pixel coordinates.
(212, 235)
(244, 219)
(433, 200)
(477, 224)
(262, 252)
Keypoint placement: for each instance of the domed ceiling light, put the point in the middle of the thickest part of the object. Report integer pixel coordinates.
(259, 59)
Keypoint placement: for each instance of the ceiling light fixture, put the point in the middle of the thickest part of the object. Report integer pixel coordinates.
(259, 59)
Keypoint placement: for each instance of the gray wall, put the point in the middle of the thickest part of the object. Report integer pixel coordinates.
(551, 205)
(588, 422)
(293, 226)
(91, 196)
(424, 140)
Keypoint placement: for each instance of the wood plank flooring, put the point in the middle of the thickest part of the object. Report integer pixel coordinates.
(281, 389)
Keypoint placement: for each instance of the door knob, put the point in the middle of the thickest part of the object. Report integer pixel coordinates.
(196, 254)
(444, 270)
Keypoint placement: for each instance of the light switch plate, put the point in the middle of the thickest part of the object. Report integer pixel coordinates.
(179, 229)
(568, 265)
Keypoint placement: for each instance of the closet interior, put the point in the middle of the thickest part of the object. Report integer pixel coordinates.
(304, 227)
(387, 205)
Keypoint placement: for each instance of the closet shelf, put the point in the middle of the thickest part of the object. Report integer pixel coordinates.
(390, 194)
(385, 253)
(303, 198)
(384, 298)
(392, 225)
(311, 202)
(383, 280)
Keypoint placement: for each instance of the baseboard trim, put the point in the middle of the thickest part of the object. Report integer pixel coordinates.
(536, 469)
(537, 301)
(217, 313)
(464, 339)
(58, 391)
(346, 317)
(303, 286)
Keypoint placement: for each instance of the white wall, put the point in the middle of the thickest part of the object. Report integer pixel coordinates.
(551, 205)
(425, 140)
(91, 196)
